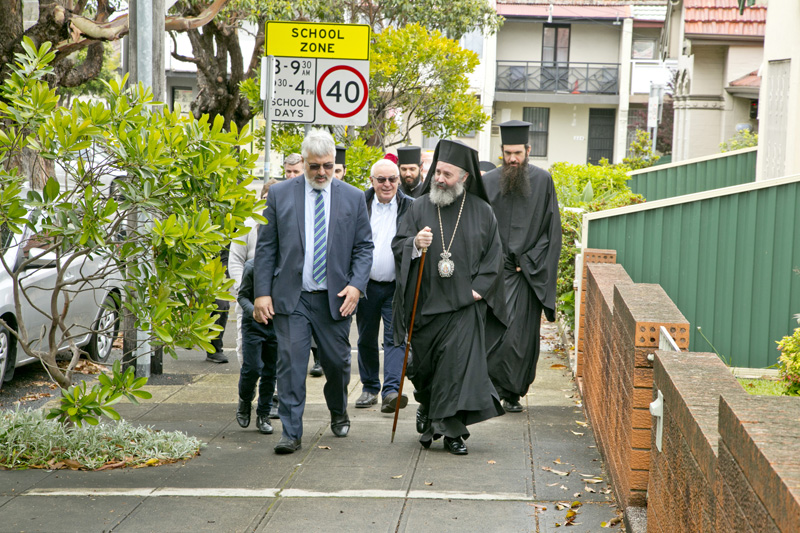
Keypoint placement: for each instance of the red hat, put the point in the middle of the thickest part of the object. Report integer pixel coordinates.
(391, 157)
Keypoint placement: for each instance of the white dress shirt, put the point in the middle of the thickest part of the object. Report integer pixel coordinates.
(383, 220)
(308, 264)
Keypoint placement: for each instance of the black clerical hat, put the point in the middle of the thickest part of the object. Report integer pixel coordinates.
(486, 166)
(409, 155)
(341, 151)
(459, 154)
(515, 132)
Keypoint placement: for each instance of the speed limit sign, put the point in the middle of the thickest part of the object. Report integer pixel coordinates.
(321, 72)
(342, 92)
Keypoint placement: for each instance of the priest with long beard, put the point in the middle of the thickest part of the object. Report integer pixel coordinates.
(524, 201)
(461, 296)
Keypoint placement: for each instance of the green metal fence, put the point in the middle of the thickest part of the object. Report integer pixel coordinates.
(688, 177)
(729, 259)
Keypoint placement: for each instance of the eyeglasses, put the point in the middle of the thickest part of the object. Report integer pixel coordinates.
(315, 166)
(381, 179)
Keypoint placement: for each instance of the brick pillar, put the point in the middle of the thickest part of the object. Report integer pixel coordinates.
(639, 311)
(589, 256)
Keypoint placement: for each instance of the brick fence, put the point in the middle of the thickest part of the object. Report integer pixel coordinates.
(728, 461)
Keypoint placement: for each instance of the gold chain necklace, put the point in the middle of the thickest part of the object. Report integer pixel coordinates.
(446, 266)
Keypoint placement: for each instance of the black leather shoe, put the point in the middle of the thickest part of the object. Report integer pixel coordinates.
(243, 413)
(340, 424)
(425, 443)
(217, 357)
(455, 446)
(287, 445)
(389, 404)
(263, 425)
(316, 370)
(366, 400)
(512, 406)
(273, 412)
(423, 422)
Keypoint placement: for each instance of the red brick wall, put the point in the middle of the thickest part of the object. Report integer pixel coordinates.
(681, 486)
(621, 328)
(589, 256)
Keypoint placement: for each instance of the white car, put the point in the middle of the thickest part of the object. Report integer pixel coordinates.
(92, 316)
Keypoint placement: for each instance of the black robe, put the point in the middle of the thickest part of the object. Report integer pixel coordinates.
(448, 367)
(530, 231)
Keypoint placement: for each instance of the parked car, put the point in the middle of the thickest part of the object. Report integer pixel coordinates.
(92, 315)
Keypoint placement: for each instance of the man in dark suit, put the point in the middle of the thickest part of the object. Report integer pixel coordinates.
(312, 265)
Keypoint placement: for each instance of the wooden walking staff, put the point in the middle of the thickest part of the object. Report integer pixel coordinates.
(408, 341)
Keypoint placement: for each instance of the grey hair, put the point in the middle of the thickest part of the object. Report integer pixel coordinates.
(383, 163)
(293, 159)
(318, 143)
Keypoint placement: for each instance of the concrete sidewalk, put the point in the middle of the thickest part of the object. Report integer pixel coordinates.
(359, 483)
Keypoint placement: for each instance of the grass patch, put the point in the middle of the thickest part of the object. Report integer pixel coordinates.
(763, 387)
(28, 440)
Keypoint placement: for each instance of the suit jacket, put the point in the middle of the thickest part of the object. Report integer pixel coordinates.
(281, 246)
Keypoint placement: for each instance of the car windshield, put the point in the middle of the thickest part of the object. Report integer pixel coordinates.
(5, 237)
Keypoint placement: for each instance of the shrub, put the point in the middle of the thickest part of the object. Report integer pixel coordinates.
(742, 139)
(641, 151)
(789, 362)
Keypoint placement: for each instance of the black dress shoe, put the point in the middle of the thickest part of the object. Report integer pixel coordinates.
(425, 443)
(423, 422)
(217, 357)
(455, 446)
(243, 413)
(512, 406)
(273, 411)
(389, 403)
(263, 425)
(316, 370)
(340, 424)
(366, 399)
(287, 445)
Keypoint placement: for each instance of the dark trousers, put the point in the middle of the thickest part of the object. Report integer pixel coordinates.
(311, 318)
(259, 360)
(221, 314)
(377, 305)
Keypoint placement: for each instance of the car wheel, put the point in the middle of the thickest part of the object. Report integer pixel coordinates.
(106, 328)
(6, 341)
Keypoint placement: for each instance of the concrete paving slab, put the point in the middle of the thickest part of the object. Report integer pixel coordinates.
(181, 514)
(510, 483)
(121, 478)
(324, 515)
(553, 433)
(66, 514)
(253, 474)
(588, 519)
(3, 501)
(203, 412)
(14, 482)
(459, 516)
(378, 477)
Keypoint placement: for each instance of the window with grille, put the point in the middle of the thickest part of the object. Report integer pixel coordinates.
(539, 117)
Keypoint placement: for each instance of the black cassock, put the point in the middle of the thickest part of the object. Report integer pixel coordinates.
(448, 366)
(416, 191)
(530, 230)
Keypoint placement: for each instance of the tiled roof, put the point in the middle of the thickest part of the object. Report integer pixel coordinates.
(648, 9)
(585, 2)
(649, 12)
(749, 80)
(722, 18)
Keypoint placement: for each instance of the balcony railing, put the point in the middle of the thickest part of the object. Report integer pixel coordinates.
(550, 77)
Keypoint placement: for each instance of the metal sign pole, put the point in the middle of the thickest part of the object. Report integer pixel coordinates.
(267, 92)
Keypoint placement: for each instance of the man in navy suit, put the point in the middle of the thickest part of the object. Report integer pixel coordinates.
(312, 264)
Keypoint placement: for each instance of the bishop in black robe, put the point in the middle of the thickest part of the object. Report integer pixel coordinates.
(448, 366)
(530, 231)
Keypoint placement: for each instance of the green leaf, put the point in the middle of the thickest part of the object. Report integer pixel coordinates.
(50, 190)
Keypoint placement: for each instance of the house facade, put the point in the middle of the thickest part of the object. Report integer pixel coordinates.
(719, 53)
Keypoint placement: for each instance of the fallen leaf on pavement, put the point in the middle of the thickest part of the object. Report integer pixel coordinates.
(429, 483)
(557, 472)
(558, 367)
(564, 488)
(613, 522)
(584, 424)
(587, 488)
(593, 480)
(397, 477)
(576, 495)
(491, 462)
(324, 447)
(552, 484)
(578, 433)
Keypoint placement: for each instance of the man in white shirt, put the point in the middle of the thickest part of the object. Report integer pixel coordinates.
(386, 205)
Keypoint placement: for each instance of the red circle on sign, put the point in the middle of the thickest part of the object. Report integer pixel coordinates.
(363, 84)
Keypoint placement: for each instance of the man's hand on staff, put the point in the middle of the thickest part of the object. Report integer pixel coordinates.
(424, 238)
(263, 310)
(351, 296)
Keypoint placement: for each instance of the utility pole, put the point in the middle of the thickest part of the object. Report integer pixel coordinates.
(146, 65)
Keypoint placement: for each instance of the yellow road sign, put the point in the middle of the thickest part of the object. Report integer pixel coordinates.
(313, 39)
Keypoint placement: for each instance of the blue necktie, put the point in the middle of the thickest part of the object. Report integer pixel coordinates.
(320, 239)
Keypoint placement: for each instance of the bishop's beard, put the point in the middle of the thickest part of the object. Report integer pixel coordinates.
(514, 180)
(444, 197)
